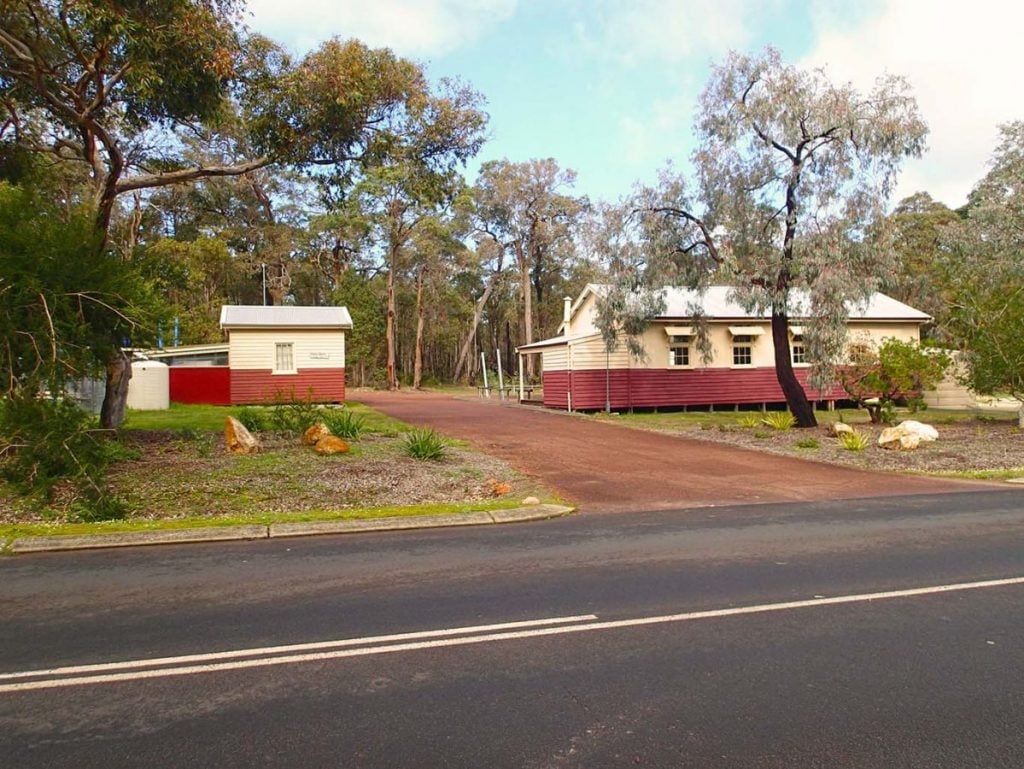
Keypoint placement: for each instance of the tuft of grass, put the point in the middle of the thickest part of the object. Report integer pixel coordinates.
(344, 423)
(779, 420)
(807, 443)
(855, 441)
(762, 434)
(749, 421)
(424, 444)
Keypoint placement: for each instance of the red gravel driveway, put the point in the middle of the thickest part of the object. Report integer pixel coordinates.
(607, 467)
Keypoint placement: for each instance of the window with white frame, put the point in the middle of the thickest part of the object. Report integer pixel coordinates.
(798, 349)
(679, 350)
(742, 350)
(284, 358)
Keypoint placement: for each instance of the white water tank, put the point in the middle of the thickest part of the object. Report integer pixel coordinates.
(150, 386)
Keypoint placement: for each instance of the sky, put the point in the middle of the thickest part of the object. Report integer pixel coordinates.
(609, 87)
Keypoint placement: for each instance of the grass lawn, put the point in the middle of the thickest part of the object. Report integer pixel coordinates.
(173, 472)
(199, 417)
(983, 445)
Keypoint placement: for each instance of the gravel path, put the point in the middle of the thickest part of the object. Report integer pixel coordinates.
(607, 467)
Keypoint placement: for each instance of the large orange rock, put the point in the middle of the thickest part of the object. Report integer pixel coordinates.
(315, 433)
(331, 444)
(238, 439)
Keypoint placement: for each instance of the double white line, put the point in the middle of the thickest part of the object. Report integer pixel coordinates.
(239, 659)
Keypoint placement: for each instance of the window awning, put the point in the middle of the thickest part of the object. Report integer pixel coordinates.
(679, 330)
(746, 330)
(796, 330)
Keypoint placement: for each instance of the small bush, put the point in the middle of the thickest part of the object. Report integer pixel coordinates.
(254, 419)
(43, 443)
(293, 416)
(762, 434)
(424, 444)
(343, 423)
(750, 421)
(779, 420)
(855, 441)
(807, 443)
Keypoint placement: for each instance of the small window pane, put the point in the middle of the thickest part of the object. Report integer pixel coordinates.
(741, 355)
(284, 361)
(799, 354)
(679, 356)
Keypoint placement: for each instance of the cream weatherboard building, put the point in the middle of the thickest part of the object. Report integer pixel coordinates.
(578, 373)
(286, 352)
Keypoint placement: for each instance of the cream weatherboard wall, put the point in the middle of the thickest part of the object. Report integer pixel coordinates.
(313, 349)
(318, 365)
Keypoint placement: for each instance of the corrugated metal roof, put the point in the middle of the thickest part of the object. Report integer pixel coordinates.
(187, 349)
(555, 341)
(287, 316)
(718, 304)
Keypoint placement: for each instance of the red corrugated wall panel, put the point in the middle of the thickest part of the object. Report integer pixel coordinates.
(254, 386)
(200, 384)
(556, 386)
(663, 387)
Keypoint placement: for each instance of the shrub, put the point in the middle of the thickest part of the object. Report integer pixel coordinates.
(254, 419)
(855, 441)
(293, 416)
(807, 443)
(897, 369)
(779, 420)
(424, 444)
(761, 434)
(750, 421)
(343, 423)
(43, 443)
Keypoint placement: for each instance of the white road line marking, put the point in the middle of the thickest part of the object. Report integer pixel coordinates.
(267, 650)
(535, 632)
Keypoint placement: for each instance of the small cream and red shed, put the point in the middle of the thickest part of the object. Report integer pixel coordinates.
(286, 352)
(578, 373)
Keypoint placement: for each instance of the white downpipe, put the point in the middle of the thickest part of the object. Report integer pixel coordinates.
(568, 389)
(522, 392)
(501, 380)
(483, 367)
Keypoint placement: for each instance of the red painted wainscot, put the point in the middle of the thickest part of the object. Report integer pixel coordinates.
(200, 384)
(324, 385)
(646, 388)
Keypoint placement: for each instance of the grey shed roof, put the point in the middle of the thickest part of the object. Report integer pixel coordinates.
(288, 316)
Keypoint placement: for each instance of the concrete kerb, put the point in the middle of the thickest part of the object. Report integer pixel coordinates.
(274, 530)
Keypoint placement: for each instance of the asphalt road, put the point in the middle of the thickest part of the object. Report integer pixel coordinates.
(850, 634)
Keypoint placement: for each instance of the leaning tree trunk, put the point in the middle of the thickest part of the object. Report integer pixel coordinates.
(796, 398)
(527, 290)
(115, 399)
(469, 344)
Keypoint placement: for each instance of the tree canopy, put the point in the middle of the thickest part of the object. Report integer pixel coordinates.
(985, 274)
(792, 176)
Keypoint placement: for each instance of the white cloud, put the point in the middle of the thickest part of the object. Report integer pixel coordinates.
(964, 62)
(635, 31)
(409, 27)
